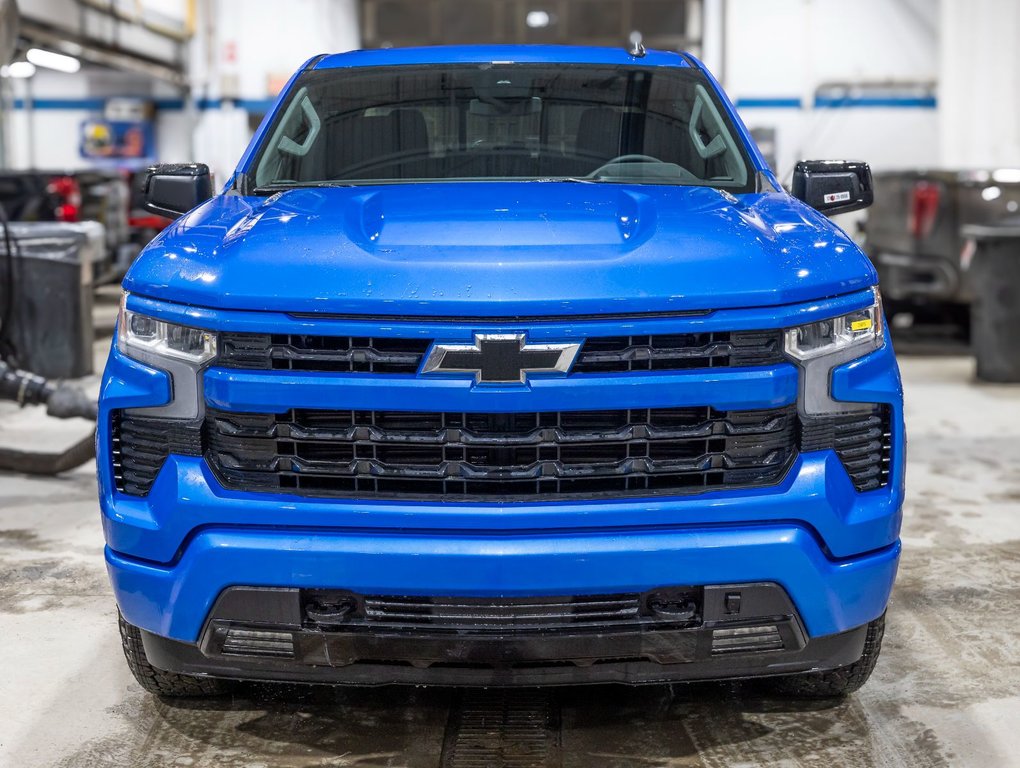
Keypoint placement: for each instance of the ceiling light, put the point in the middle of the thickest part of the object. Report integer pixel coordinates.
(1006, 175)
(51, 60)
(18, 69)
(537, 19)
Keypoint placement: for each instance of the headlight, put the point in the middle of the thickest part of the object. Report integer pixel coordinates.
(860, 329)
(142, 333)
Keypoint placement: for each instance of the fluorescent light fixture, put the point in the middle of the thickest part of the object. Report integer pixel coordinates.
(51, 60)
(1006, 175)
(537, 19)
(18, 69)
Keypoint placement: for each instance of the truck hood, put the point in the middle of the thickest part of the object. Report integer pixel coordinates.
(515, 249)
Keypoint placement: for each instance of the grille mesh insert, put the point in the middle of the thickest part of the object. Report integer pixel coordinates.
(608, 354)
(141, 445)
(517, 614)
(862, 440)
(391, 453)
(340, 354)
(623, 354)
(500, 455)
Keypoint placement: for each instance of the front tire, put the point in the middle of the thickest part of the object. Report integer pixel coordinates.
(835, 682)
(156, 681)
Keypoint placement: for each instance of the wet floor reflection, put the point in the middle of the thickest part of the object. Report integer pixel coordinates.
(679, 725)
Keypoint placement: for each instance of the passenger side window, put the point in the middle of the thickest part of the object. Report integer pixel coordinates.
(293, 140)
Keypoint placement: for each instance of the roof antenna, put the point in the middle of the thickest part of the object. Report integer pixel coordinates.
(637, 48)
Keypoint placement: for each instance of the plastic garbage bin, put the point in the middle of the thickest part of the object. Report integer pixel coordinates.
(51, 325)
(995, 310)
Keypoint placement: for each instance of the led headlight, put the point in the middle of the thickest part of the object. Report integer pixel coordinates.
(859, 330)
(142, 333)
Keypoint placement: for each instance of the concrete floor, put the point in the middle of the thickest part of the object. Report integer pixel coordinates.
(946, 691)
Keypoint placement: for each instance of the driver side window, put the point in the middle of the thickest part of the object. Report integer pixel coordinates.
(712, 141)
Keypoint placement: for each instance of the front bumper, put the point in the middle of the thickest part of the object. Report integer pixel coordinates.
(831, 595)
(832, 549)
(272, 634)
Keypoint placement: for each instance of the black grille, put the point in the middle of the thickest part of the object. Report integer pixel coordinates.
(621, 354)
(610, 354)
(676, 606)
(490, 614)
(500, 455)
(862, 440)
(343, 354)
(141, 445)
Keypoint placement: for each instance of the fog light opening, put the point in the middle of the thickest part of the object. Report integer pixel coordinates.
(764, 637)
(255, 642)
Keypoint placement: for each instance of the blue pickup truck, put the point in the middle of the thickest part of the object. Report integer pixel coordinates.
(502, 366)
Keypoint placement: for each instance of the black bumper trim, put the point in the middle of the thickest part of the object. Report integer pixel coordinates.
(821, 653)
(738, 631)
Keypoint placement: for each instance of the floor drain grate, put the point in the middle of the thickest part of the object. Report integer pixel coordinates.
(509, 728)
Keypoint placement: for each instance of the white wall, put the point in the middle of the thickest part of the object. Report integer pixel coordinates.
(241, 50)
(787, 49)
(980, 83)
(241, 47)
(47, 137)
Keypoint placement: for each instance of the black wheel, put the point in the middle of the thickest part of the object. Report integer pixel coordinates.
(836, 682)
(156, 680)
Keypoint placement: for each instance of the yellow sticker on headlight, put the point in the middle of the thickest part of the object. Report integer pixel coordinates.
(861, 325)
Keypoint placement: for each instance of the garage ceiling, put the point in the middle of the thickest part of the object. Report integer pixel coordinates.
(669, 24)
(130, 37)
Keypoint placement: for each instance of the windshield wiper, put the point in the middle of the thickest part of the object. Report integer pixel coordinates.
(570, 179)
(283, 186)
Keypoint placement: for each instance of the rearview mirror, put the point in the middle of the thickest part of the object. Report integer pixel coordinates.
(173, 190)
(833, 186)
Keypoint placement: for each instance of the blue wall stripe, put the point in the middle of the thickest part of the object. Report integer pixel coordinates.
(97, 105)
(839, 102)
(749, 102)
(771, 103)
(916, 102)
(61, 103)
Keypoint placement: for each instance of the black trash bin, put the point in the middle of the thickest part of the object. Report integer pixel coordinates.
(994, 276)
(51, 324)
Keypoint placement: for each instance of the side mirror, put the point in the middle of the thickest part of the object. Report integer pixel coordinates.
(833, 186)
(173, 190)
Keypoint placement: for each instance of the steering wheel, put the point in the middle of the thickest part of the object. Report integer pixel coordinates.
(623, 159)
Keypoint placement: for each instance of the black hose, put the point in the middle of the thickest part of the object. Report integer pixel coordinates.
(63, 401)
(8, 350)
(23, 387)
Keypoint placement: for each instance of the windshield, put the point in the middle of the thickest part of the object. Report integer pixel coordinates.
(503, 122)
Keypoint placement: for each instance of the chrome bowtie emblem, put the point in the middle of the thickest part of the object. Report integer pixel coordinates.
(500, 358)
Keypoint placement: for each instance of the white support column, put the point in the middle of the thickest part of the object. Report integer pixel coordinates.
(238, 53)
(713, 41)
(979, 83)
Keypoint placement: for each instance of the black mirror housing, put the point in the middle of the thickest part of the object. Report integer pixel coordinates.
(833, 186)
(172, 190)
